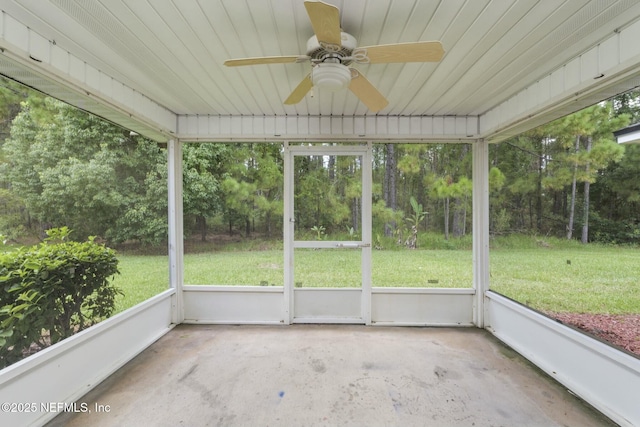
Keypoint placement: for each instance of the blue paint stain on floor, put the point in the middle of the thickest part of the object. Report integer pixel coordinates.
(281, 394)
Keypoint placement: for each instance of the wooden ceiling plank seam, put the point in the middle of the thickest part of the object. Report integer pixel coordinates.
(163, 26)
(456, 91)
(231, 35)
(210, 41)
(222, 26)
(271, 46)
(401, 13)
(582, 43)
(259, 85)
(144, 57)
(490, 58)
(417, 27)
(562, 37)
(541, 50)
(251, 75)
(113, 32)
(464, 17)
(526, 54)
(176, 17)
(150, 118)
(372, 22)
(285, 27)
(30, 9)
(572, 90)
(303, 30)
(435, 91)
(194, 16)
(416, 18)
(222, 91)
(464, 59)
(495, 68)
(353, 10)
(444, 15)
(497, 60)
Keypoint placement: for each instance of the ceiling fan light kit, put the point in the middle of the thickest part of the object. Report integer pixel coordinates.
(331, 76)
(331, 50)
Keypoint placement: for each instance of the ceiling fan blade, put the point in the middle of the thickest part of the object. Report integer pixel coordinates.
(300, 91)
(325, 20)
(265, 60)
(403, 52)
(366, 92)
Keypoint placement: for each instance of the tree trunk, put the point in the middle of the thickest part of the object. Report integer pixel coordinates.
(539, 190)
(390, 186)
(464, 216)
(202, 222)
(458, 219)
(355, 214)
(267, 220)
(587, 184)
(573, 191)
(332, 168)
(446, 218)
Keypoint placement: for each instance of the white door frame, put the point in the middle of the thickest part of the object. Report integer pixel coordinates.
(328, 296)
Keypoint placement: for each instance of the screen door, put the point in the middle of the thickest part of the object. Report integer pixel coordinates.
(327, 227)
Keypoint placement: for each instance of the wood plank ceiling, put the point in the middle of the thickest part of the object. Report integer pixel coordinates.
(172, 50)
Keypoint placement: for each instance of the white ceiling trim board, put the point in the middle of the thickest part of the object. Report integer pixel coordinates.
(314, 128)
(579, 83)
(23, 47)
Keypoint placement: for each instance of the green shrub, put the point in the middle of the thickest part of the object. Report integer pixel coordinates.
(52, 290)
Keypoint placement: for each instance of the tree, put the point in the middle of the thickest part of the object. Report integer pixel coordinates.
(627, 103)
(202, 164)
(252, 186)
(390, 190)
(11, 95)
(73, 169)
(587, 139)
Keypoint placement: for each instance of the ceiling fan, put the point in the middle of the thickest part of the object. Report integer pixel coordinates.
(330, 52)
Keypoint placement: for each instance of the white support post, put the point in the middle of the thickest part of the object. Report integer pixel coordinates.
(480, 228)
(176, 243)
(288, 230)
(367, 238)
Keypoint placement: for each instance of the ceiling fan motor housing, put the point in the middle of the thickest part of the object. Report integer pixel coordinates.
(322, 51)
(330, 71)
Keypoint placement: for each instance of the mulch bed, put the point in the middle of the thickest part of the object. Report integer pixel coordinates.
(621, 330)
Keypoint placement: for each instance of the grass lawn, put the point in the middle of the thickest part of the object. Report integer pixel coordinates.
(591, 279)
(603, 280)
(140, 278)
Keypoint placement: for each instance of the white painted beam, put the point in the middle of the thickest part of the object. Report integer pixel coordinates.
(480, 228)
(605, 70)
(176, 242)
(342, 128)
(31, 59)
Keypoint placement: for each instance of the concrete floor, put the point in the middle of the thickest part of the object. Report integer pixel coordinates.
(307, 375)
